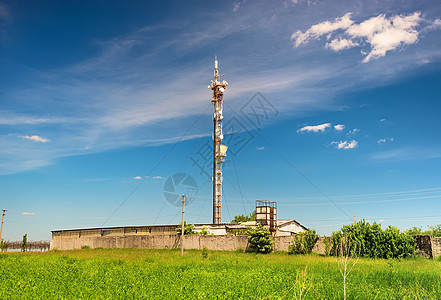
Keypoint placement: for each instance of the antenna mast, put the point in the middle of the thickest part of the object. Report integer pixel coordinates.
(219, 150)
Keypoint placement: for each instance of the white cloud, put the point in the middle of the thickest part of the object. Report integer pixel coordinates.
(315, 128)
(341, 44)
(260, 148)
(381, 33)
(320, 29)
(383, 120)
(137, 177)
(380, 141)
(158, 177)
(236, 5)
(28, 213)
(339, 127)
(35, 138)
(353, 131)
(385, 34)
(409, 153)
(435, 25)
(346, 145)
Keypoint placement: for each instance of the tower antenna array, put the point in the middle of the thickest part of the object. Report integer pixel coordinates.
(219, 150)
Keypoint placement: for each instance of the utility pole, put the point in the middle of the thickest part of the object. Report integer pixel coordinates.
(3, 219)
(182, 226)
(219, 150)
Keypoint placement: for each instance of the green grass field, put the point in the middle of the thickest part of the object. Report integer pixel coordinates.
(164, 274)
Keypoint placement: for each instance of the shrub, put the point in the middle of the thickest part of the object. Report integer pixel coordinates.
(85, 247)
(204, 231)
(188, 228)
(435, 230)
(2, 245)
(24, 243)
(371, 241)
(205, 252)
(260, 239)
(303, 242)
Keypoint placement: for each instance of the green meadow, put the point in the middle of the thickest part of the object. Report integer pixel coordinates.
(164, 274)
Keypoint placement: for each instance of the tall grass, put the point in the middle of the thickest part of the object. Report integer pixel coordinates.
(164, 274)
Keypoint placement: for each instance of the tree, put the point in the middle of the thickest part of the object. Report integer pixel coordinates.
(260, 239)
(303, 242)
(435, 230)
(243, 218)
(345, 260)
(188, 228)
(24, 243)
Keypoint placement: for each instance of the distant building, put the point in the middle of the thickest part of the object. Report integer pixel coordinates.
(154, 236)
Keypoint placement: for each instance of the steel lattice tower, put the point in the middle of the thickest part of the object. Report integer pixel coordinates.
(219, 150)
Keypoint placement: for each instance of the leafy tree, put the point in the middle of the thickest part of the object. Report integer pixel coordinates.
(414, 231)
(204, 231)
(24, 243)
(303, 242)
(243, 218)
(260, 239)
(188, 229)
(435, 231)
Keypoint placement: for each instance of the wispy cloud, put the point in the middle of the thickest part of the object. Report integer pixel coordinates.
(129, 93)
(406, 153)
(137, 177)
(35, 138)
(381, 33)
(260, 148)
(315, 128)
(158, 177)
(317, 30)
(346, 144)
(353, 131)
(237, 4)
(28, 213)
(380, 141)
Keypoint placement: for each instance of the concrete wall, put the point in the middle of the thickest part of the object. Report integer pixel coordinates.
(424, 245)
(436, 246)
(427, 245)
(223, 242)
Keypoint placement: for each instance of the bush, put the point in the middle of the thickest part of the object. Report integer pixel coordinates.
(205, 252)
(303, 242)
(435, 231)
(371, 241)
(260, 239)
(204, 231)
(188, 229)
(85, 247)
(24, 243)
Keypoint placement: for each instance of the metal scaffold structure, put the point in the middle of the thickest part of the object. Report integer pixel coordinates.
(219, 150)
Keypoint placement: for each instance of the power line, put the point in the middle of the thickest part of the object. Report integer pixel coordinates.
(154, 168)
(298, 171)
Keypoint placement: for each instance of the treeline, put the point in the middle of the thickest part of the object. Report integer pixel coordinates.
(362, 239)
(434, 231)
(30, 246)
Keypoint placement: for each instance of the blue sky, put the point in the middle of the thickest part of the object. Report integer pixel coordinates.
(101, 102)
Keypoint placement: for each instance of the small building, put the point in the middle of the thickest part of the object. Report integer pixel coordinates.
(289, 227)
